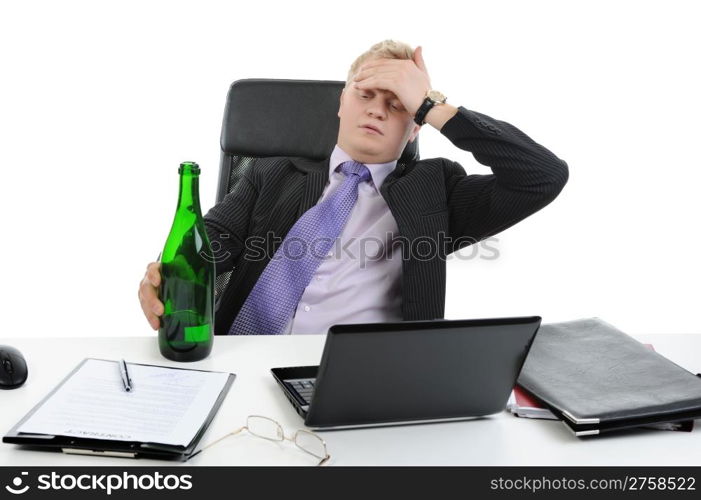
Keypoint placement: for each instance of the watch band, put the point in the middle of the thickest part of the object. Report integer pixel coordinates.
(420, 116)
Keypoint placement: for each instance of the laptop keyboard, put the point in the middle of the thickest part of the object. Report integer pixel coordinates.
(304, 387)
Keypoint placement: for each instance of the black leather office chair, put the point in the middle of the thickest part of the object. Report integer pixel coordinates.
(294, 118)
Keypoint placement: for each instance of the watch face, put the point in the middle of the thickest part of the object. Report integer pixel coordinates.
(436, 96)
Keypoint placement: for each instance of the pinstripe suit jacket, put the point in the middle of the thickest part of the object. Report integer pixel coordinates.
(426, 197)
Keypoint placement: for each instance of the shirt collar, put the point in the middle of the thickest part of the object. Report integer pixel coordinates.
(378, 171)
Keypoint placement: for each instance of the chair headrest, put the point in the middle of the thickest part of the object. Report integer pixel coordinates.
(295, 118)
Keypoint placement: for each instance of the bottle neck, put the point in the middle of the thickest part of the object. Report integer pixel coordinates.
(189, 197)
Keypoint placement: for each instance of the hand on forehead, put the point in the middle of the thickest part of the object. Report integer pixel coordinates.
(405, 79)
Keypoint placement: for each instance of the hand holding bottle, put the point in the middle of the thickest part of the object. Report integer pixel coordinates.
(148, 294)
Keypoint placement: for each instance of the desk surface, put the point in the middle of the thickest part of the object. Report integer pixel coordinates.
(502, 439)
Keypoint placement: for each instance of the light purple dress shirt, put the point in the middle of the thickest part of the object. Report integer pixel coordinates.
(359, 281)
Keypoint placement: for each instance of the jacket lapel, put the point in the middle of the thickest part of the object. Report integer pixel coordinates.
(316, 176)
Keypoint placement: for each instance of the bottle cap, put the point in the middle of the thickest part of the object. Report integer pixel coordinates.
(189, 167)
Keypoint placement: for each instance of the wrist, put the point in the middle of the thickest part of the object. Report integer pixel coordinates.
(440, 114)
(432, 99)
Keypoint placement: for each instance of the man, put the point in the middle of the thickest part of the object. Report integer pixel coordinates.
(359, 195)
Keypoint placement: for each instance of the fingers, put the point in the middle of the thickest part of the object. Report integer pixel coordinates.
(379, 65)
(391, 71)
(372, 63)
(418, 58)
(375, 78)
(151, 306)
(153, 273)
(366, 72)
(372, 82)
(148, 305)
(154, 321)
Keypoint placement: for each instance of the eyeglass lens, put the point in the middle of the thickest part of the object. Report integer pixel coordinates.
(311, 443)
(268, 428)
(264, 427)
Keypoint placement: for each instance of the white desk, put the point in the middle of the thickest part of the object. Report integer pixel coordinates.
(499, 440)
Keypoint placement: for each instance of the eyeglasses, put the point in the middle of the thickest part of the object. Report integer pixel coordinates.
(267, 428)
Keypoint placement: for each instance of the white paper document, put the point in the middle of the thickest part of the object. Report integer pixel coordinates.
(166, 405)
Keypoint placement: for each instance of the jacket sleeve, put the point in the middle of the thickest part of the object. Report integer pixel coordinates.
(526, 177)
(228, 221)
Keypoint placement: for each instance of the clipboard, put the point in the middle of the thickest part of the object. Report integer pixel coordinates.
(110, 447)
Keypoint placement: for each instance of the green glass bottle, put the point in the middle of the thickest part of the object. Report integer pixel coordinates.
(187, 278)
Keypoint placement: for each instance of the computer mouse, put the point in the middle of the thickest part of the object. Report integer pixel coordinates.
(13, 368)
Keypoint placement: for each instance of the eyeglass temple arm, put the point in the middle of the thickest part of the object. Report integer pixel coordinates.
(232, 433)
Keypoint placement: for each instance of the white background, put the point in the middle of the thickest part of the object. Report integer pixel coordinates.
(100, 102)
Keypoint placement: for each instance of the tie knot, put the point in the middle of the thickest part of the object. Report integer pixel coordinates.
(359, 169)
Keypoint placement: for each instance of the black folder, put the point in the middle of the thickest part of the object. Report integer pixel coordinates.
(109, 447)
(598, 379)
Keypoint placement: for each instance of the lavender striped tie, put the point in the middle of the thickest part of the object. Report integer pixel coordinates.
(277, 292)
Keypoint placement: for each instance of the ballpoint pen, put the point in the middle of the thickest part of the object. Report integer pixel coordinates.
(126, 380)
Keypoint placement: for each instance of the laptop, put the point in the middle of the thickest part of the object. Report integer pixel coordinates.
(377, 374)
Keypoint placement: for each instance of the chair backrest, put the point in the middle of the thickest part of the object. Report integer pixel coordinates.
(296, 118)
(293, 118)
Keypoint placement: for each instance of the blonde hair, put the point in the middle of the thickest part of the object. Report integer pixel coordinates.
(386, 49)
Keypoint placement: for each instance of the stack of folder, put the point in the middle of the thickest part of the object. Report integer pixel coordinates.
(597, 379)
